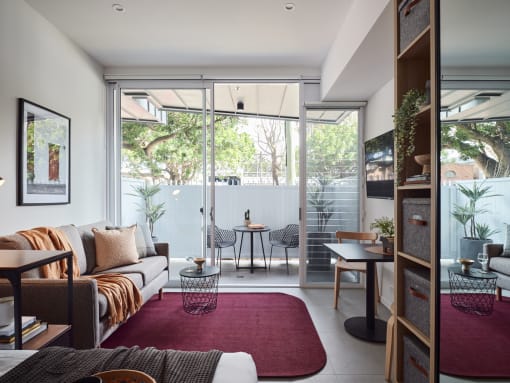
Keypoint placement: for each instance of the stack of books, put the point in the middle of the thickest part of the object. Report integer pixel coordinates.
(31, 327)
(418, 179)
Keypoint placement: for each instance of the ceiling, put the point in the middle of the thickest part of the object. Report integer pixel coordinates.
(228, 33)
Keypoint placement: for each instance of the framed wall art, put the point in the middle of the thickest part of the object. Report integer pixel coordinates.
(43, 155)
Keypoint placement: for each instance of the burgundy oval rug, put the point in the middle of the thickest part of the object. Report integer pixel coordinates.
(275, 328)
(472, 345)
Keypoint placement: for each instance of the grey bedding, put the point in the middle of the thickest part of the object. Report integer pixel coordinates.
(61, 364)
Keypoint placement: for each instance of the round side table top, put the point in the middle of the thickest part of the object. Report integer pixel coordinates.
(472, 273)
(191, 272)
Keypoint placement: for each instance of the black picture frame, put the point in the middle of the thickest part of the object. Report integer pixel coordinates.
(44, 156)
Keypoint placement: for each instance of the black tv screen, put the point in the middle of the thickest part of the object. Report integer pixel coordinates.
(379, 166)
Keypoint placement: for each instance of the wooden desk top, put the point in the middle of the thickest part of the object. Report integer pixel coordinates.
(354, 252)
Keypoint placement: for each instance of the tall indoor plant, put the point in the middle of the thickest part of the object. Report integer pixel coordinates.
(476, 234)
(152, 211)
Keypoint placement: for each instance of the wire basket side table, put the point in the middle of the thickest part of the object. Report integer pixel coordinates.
(199, 289)
(472, 291)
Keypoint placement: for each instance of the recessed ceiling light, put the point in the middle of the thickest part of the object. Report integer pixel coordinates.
(118, 8)
(290, 6)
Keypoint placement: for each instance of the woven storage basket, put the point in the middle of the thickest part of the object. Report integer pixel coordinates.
(416, 227)
(416, 361)
(417, 298)
(125, 376)
(414, 17)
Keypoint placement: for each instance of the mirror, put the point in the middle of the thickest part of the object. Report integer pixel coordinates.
(474, 189)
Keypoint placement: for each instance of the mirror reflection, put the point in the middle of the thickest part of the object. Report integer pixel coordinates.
(475, 191)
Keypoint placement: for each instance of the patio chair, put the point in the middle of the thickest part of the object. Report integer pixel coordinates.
(361, 267)
(222, 238)
(287, 238)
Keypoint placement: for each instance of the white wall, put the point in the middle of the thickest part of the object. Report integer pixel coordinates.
(40, 64)
(379, 119)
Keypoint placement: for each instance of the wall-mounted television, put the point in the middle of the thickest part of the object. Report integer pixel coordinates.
(379, 166)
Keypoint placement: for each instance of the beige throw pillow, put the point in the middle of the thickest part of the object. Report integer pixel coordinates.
(115, 248)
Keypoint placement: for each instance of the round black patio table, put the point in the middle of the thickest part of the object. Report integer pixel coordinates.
(246, 229)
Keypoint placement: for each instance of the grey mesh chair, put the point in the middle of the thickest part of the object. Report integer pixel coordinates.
(222, 238)
(287, 238)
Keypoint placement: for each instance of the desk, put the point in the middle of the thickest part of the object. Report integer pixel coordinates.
(246, 229)
(12, 264)
(368, 327)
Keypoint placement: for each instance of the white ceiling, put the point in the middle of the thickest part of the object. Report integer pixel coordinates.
(199, 33)
(475, 33)
(176, 35)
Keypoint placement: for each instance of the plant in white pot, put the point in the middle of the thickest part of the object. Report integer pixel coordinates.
(152, 211)
(386, 229)
(476, 234)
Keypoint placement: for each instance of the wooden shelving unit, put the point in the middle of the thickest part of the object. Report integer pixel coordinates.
(415, 65)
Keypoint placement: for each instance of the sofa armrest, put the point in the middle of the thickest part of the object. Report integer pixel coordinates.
(493, 249)
(47, 300)
(162, 248)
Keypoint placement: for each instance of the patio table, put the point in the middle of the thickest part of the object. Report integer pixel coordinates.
(246, 229)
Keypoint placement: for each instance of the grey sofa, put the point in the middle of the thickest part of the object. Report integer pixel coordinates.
(500, 265)
(47, 298)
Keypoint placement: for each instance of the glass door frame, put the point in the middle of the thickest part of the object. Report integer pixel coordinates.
(113, 144)
(306, 105)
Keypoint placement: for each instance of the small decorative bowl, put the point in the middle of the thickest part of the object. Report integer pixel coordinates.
(466, 264)
(199, 262)
(125, 376)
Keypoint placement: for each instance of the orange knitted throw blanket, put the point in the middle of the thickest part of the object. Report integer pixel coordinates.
(123, 296)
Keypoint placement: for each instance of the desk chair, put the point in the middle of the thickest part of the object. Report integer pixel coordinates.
(361, 267)
(222, 238)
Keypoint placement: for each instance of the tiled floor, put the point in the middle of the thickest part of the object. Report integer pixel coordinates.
(349, 360)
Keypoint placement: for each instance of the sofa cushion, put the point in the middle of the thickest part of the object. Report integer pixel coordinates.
(144, 244)
(115, 248)
(19, 242)
(103, 303)
(149, 268)
(500, 264)
(73, 236)
(89, 243)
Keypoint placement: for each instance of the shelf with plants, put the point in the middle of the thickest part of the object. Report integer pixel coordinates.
(415, 148)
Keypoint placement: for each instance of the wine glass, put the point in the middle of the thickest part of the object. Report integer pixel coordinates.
(483, 259)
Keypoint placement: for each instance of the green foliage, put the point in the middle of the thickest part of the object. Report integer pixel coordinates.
(172, 153)
(468, 213)
(153, 212)
(384, 225)
(405, 128)
(487, 143)
(332, 149)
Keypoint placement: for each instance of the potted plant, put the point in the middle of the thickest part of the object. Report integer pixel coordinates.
(476, 234)
(153, 212)
(319, 256)
(386, 229)
(405, 128)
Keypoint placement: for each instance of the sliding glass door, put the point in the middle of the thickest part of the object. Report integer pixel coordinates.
(162, 164)
(332, 187)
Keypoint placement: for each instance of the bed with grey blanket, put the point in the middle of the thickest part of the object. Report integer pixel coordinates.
(61, 364)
